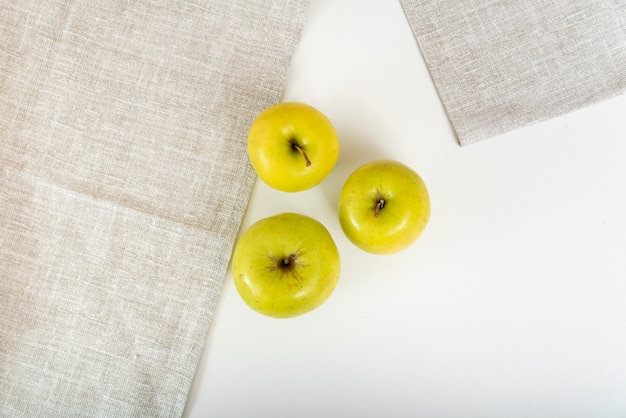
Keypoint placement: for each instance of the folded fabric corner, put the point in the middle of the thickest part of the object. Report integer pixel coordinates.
(500, 65)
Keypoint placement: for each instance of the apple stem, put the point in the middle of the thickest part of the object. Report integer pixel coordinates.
(379, 205)
(287, 261)
(297, 147)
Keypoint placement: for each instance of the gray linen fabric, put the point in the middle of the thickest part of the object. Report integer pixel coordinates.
(123, 182)
(499, 64)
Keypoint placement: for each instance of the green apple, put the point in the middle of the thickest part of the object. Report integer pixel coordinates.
(285, 265)
(384, 207)
(292, 146)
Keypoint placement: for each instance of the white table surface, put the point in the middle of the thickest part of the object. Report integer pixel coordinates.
(511, 304)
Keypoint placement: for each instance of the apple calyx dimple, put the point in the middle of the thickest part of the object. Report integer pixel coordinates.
(296, 147)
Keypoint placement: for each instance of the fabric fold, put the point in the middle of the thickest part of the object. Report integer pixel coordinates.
(123, 182)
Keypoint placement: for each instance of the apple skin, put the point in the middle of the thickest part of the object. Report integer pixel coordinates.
(269, 285)
(394, 226)
(278, 140)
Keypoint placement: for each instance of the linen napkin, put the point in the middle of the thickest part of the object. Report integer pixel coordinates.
(123, 182)
(499, 65)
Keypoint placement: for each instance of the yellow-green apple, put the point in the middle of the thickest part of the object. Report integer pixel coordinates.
(384, 207)
(286, 265)
(292, 146)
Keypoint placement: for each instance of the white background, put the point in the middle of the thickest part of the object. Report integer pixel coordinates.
(511, 304)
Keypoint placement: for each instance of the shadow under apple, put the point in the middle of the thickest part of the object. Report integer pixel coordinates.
(358, 146)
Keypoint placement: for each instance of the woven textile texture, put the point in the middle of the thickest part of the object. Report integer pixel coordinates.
(499, 65)
(123, 183)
